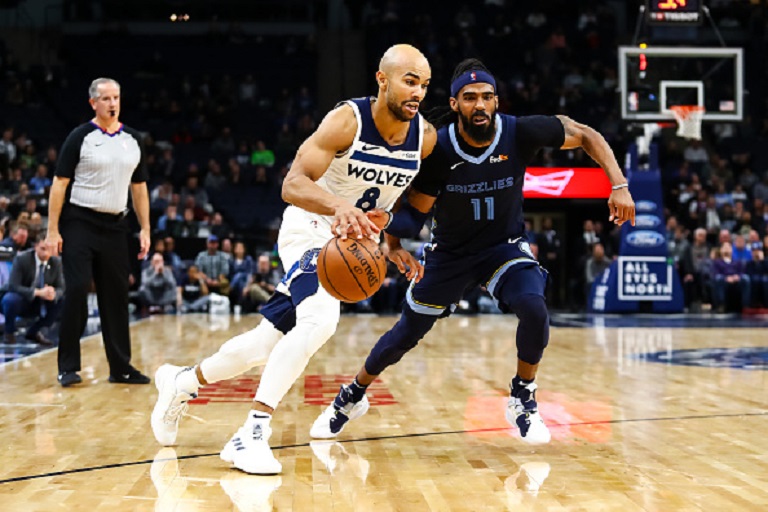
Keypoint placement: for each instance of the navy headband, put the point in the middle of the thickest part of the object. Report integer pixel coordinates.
(472, 76)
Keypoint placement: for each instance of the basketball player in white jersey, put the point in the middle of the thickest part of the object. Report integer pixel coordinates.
(362, 156)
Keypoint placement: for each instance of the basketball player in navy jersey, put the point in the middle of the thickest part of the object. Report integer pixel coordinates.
(362, 157)
(474, 180)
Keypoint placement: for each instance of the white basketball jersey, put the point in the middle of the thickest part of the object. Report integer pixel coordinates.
(371, 173)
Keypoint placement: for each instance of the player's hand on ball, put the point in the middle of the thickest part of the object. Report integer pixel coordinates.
(621, 207)
(349, 220)
(406, 263)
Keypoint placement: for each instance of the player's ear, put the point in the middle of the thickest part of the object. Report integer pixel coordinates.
(496, 99)
(381, 79)
(454, 104)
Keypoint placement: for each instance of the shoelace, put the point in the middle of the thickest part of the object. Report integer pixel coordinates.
(174, 411)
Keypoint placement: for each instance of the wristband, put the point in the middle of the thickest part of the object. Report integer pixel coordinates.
(391, 216)
(617, 187)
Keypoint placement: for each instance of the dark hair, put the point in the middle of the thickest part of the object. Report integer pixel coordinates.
(443, 115)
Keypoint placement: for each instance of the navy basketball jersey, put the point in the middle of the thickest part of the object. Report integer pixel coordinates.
(481, 202)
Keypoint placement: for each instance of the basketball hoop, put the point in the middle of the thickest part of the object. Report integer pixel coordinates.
(689, 119)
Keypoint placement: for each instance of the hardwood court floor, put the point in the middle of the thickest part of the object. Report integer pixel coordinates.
(628, 433)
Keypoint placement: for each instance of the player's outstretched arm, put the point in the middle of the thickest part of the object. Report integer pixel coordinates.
(620, 203)
(406, 220)
(334, 135)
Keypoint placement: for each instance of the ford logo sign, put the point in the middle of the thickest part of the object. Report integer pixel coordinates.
(645, 238)
(645, 206)
(647, 221)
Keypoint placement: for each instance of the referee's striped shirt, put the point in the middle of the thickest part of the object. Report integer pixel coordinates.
(102, 166)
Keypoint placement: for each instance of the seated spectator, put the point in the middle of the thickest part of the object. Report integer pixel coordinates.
(262, 156)
(35, 225)
(159, 246)
(214, 180)
(18, 238)
(188, 227)
(214, 267)
(4, 213)
(240, 269)
(194, 190)
(40, 182)
(754, 243)
(171, 258)
(158, 286)
(161, 196)
(693, 270)
(31, 206)
(36, 280)
(20, 198)
(596, 265)
(220, 228)
(757, 270)
(193, 295)
(167, 223)
(728, 275)
(226, 248)
(224, 144)
(740, 250)
(261, 284)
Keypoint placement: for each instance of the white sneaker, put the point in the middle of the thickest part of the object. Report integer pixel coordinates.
(336, 416)
(522, 412)
(523, 486)
(337, 460)
(252, 452)
(170, 485)
(253, 494)
(227, 453)
(171, 404)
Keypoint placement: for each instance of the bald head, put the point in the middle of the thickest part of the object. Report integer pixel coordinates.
(403, 78)
(402, 56)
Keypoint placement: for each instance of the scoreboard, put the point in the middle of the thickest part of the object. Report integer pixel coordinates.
(674, 12)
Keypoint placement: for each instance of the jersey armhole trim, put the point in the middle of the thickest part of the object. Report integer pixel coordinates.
(359, 130)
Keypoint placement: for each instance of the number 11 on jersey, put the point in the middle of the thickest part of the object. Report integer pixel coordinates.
(477, 207)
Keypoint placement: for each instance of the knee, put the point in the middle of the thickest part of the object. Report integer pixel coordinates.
(531, 309)
(11, 300)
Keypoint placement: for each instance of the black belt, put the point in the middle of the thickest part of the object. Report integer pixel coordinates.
(102, 216)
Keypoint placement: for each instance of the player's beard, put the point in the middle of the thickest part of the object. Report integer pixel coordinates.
(479, 133)
(398, 109)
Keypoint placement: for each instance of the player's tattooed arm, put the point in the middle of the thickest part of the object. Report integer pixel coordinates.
(429, 141)
(620, 203)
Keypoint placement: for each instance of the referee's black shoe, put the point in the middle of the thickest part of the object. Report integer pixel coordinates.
(132, 377)
(67, 379)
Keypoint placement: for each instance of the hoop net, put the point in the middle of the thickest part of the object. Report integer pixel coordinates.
(688, 119)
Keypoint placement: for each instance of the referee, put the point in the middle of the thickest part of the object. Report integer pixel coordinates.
(98, 163)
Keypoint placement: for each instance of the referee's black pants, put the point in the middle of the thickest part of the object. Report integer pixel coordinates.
(95, 247)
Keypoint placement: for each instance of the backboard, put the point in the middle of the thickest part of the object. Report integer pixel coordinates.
(651, 79)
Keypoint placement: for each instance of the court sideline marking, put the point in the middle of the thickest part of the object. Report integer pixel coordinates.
(381, 438)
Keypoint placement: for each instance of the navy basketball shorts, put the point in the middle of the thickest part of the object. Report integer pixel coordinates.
(447, 276)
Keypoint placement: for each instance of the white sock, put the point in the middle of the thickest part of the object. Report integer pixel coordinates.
(241, 353)
(316, 319)
(257, 417)
(186, 380)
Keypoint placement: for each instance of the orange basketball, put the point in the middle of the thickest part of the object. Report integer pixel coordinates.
(351, 270)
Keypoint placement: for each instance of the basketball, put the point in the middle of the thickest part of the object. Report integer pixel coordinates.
(351, 270)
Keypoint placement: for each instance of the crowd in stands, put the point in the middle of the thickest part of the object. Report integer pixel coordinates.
(220, 142)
